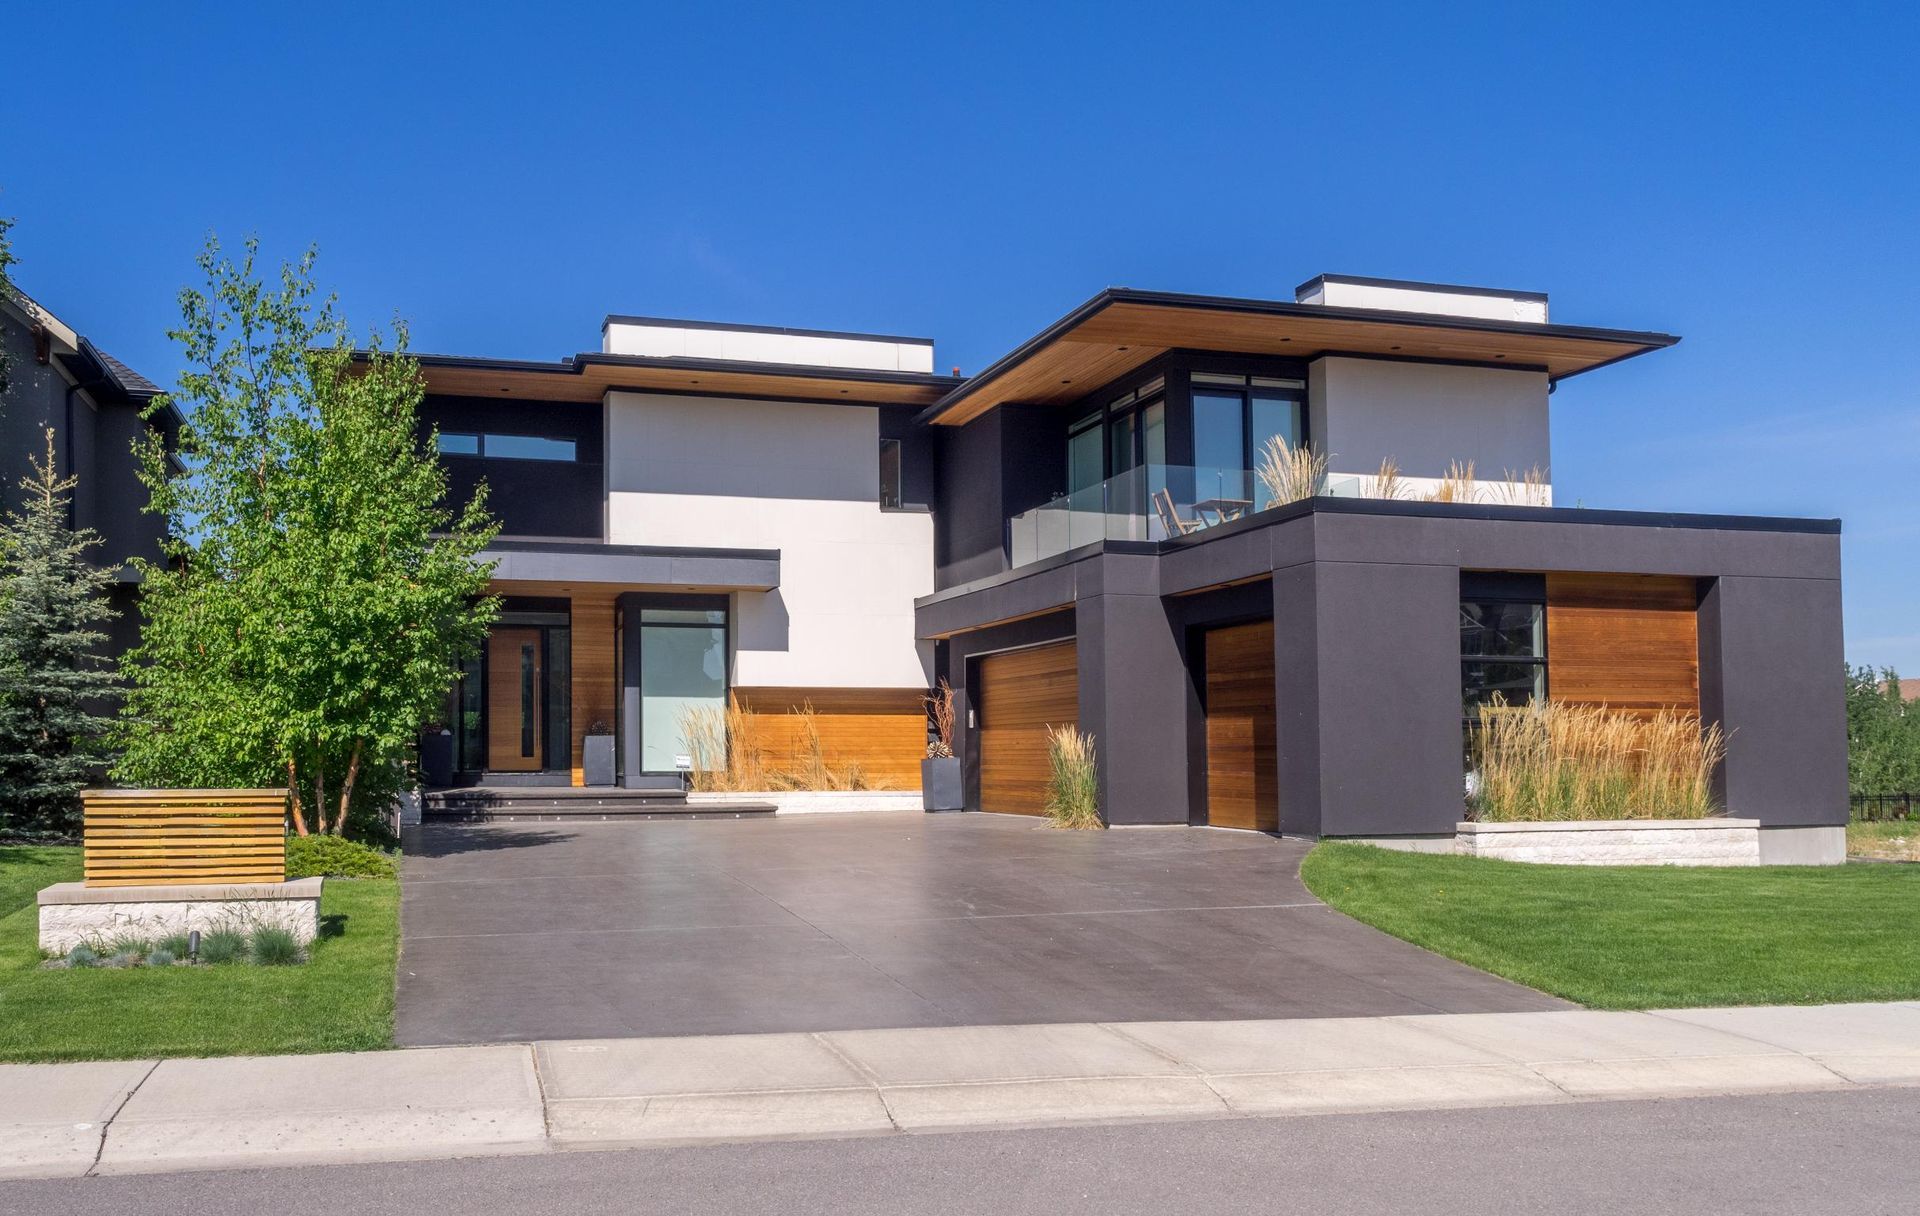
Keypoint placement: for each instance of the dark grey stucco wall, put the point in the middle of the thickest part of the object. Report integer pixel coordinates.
(1367, 663)
(529, 497)
(1388, 650)
(1134, 693)
(1006, 461)
(1771, 665)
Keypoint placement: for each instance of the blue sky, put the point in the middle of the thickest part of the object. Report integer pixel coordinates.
(1745, 176)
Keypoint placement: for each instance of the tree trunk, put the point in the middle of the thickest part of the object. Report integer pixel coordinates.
(346, 789)
(293, 800)
(320, 792)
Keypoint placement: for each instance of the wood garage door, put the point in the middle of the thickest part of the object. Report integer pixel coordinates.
(1019, 695)
(1243, 785)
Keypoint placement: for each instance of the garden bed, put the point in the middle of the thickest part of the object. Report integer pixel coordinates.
(340, 999)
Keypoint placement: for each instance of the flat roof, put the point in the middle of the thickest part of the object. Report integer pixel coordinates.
(1123, 328)
(618, 318)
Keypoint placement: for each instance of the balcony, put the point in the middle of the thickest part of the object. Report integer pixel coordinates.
(1159, 502)
(1149, 503)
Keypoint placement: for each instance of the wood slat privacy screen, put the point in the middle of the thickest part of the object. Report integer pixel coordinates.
(150, 838)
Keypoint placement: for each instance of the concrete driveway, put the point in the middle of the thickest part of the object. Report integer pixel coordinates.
(852, 921)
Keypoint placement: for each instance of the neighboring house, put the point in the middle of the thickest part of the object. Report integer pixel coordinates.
(705, 514)
(93, 402)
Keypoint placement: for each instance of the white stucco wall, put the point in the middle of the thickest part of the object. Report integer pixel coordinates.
(1424, 415)
(1489, 305)
(664, 339)
(800, 478)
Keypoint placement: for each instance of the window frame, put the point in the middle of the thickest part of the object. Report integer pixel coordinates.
(891, 448)
(1528, 590)
(480, 451)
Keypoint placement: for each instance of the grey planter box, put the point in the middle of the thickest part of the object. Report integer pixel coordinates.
(940, 786)
(436, 758)
(596, 760)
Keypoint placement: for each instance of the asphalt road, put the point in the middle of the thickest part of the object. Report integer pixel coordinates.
(1805, 1154)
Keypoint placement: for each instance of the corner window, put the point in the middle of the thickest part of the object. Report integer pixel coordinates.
(890, 494)
(1503, 653)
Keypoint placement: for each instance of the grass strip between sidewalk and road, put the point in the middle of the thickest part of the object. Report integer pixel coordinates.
(1644, 937)
(341, 999)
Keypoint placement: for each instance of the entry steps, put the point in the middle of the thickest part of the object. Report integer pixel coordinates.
(532, 803)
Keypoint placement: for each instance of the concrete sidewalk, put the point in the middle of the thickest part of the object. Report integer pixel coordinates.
(135, 1116)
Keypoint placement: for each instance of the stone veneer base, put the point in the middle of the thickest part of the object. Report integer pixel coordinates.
(73, 914)
(1617, 842)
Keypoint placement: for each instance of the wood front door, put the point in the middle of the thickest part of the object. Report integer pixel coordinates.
(1243, 781)
(515, 691)
(1019, 695)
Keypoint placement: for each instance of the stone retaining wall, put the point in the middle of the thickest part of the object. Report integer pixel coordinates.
(72, 914)
(1617, 842)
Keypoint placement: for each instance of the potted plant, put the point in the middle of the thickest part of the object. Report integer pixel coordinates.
(596, 754)
(940, 783)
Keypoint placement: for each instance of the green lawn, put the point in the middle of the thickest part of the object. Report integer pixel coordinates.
(340, 1000)
(1644, 937)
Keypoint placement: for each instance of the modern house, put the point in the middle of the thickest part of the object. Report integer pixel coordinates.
(712, 515)
(93, 403)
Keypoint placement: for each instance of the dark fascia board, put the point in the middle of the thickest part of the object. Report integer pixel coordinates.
(1458, 289)
(1549, 515)
(601, 548)
(99, 371)
(617, 318)
(1646, 339)
(577, 364)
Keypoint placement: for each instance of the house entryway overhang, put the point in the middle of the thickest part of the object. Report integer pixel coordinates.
(561, 666)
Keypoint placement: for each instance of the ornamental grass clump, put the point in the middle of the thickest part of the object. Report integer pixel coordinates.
(1073, 791)
(1556, 761)
(1290, 474)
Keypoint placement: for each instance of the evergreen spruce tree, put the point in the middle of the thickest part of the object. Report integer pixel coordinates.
(52, 681)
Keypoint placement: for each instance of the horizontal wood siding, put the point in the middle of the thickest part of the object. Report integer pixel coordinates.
(147, 838)
(1019, 695)
(1243, 786)
(1627, 641)
(883, 730)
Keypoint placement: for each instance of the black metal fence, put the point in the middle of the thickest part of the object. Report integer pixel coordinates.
(1875, 807)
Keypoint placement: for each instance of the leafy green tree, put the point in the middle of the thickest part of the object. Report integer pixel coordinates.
(52, 681)
(1883, 734)
(318, 593)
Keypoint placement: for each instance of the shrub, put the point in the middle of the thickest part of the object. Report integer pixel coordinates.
(81, 956)
(122, 959)
(1556, 761)
(128, 943)
(335, 857)
(174, 944)
(1073, 792)
(223, 946)
(274, 946)
(161, 958)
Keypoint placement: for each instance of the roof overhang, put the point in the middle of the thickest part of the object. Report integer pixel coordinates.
(578, 563)
(589, 377)
(1121, 329)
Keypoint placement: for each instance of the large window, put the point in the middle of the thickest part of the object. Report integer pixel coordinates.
(1503, 652)
(507, 447)
(1235, 415)
(683, 670)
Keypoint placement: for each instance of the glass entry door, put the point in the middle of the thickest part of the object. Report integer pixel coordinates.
(683, 672)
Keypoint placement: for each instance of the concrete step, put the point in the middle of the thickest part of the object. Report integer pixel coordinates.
(480, 804)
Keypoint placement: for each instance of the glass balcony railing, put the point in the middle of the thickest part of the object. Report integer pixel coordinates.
(1149, 503)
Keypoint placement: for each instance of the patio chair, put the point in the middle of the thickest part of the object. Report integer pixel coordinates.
(1170, 515)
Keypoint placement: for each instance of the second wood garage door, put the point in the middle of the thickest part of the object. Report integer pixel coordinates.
(1019, 695)
(1243, 781)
